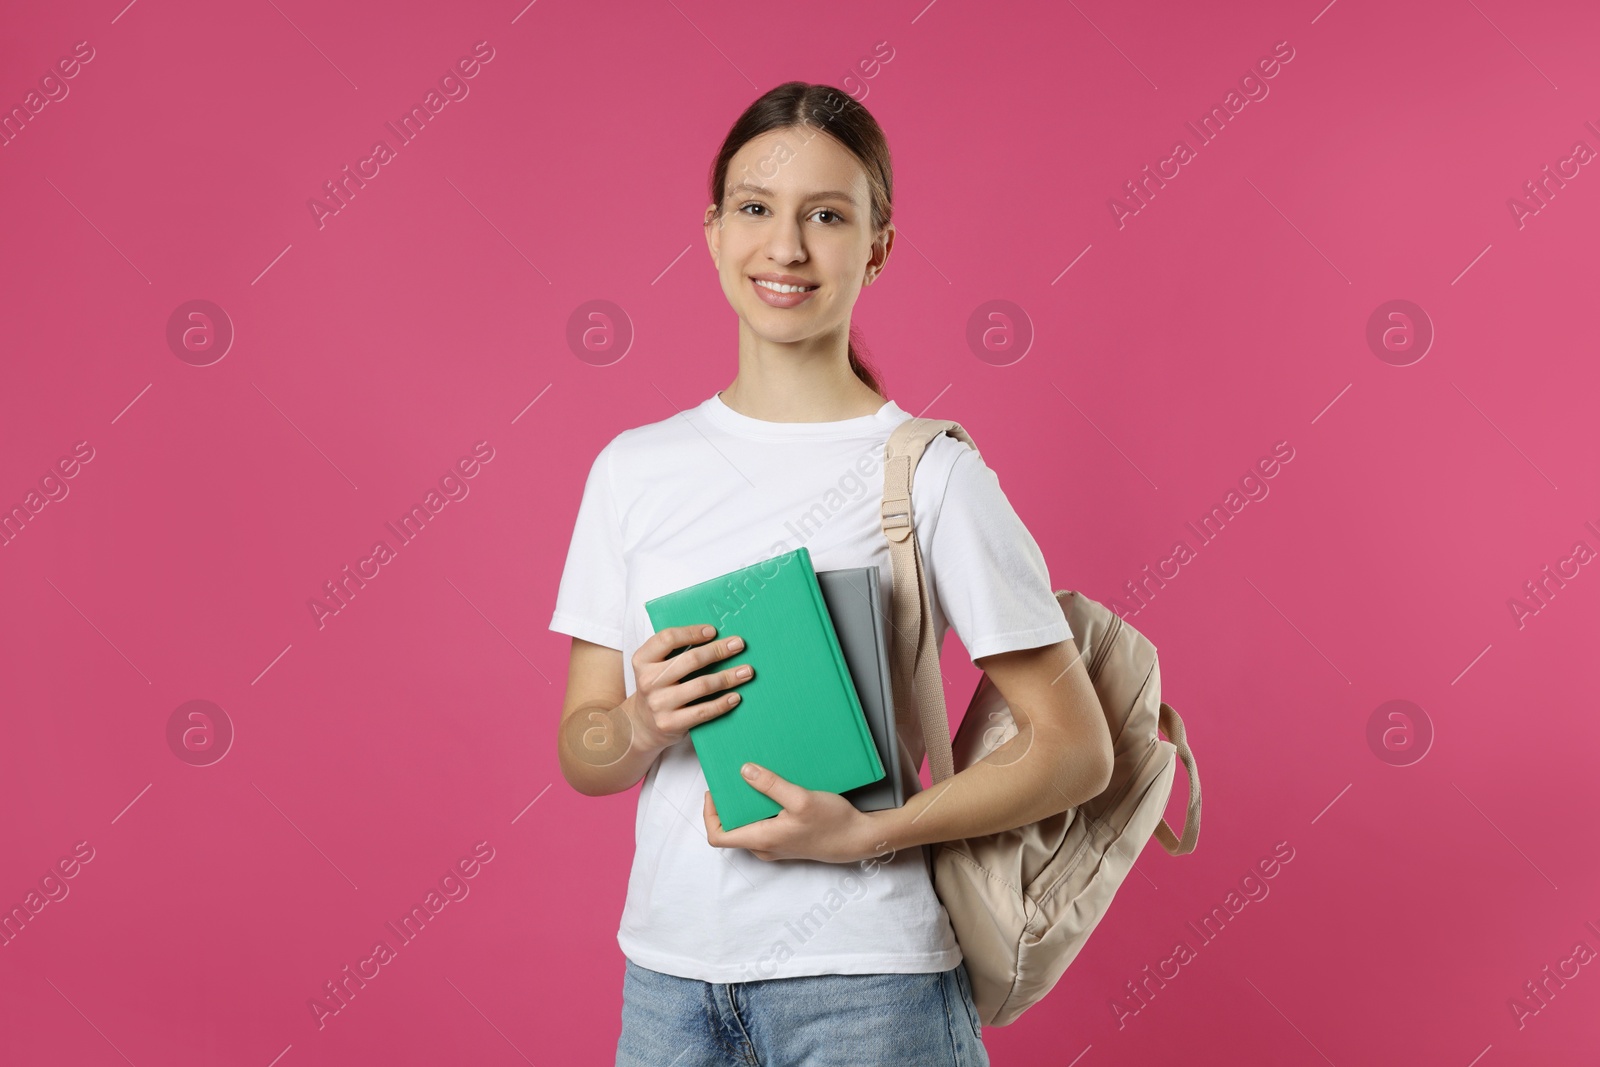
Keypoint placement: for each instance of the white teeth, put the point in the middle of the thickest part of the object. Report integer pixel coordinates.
(779, 287)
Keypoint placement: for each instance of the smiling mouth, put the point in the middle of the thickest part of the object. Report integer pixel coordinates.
(779, 287)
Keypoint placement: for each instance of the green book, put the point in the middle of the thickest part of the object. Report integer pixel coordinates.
(800, 715)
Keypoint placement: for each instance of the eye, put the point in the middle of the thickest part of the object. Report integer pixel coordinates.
(836, 218)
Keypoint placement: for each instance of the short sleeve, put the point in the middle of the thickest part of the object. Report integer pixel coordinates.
(987, 571)
(590, 603)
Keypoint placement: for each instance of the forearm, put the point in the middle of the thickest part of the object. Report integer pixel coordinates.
(601, 752)
(1013, 786)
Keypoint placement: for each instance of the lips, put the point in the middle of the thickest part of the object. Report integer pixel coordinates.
(786, 280)
(773, 298)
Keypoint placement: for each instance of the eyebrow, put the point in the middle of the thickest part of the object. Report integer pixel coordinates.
(827, 194)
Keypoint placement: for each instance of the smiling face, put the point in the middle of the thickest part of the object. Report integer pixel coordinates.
(797, 212)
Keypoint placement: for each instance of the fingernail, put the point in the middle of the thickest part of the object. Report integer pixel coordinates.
(735, 644)
(706, 631)
(749, 770)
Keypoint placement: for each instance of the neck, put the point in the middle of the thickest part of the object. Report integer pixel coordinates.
(807, 381)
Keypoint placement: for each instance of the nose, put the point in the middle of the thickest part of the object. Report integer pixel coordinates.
(786, 241)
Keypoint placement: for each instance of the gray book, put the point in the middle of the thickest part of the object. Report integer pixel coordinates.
(851, 596)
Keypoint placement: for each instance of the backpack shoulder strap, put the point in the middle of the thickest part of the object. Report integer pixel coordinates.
(914, 661)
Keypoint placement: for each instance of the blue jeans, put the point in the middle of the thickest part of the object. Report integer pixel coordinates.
(826, 1020)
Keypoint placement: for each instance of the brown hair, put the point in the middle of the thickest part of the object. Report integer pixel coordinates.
(843, 118)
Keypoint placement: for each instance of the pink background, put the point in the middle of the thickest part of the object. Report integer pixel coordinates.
(374, 751)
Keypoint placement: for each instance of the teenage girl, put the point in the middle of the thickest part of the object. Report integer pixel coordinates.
(814, 937)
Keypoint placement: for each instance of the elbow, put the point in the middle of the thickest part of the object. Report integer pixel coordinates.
(566, 775)
(1103, 770)
(592, 781)
(1095, 765)
(572, 774)
(1082, 772)
(1105, 763)
(585, 785)
(575, 784)
(589, 790)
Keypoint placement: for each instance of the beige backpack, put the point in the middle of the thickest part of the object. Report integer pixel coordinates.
(1023, 902)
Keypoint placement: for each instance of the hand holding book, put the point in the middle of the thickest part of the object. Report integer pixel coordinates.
(800, 717)
(664, 706)
(812, 824)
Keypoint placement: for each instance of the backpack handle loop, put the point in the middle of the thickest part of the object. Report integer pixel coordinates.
(1172, 726)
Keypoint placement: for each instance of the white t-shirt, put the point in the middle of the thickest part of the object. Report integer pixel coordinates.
(696, 495)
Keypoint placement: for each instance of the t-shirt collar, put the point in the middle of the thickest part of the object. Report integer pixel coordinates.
(724, 417)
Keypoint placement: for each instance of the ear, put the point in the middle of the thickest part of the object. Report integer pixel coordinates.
(713, 230)
(881, 246)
